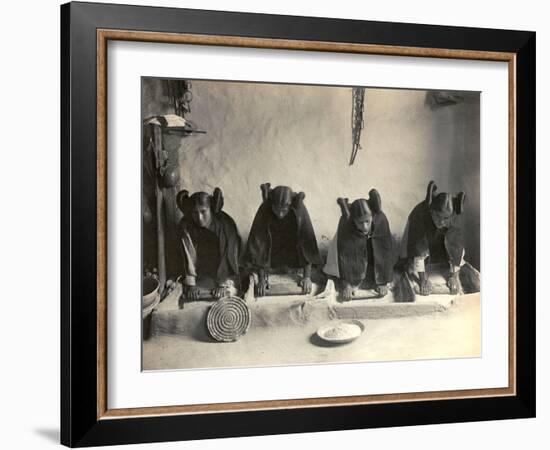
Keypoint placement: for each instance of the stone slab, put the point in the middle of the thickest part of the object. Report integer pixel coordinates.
(284, 311)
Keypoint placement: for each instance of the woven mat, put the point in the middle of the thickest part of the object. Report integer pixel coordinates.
(228, 319)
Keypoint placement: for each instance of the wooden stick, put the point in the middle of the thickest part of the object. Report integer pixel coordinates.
(160, 216)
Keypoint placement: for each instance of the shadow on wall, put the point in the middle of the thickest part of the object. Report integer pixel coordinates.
(300, 136)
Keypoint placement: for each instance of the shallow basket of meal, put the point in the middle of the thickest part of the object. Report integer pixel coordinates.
(341, 332)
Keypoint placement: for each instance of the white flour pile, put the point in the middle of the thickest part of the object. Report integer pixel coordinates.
(343, 331)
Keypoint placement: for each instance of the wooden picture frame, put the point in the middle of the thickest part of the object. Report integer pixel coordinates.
(85, 416)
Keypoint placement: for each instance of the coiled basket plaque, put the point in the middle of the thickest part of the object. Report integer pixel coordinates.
(228, 319)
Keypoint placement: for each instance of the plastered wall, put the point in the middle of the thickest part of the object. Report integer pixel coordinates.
(301, 136)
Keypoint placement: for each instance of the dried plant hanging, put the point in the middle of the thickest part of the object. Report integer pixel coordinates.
(357, 122)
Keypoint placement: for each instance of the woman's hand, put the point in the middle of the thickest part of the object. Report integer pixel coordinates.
(262, 284)
(425, 285)
(192, 293)
(348, 291)
(453, 284)
(306, 285)
(219, 292)
(382, 290)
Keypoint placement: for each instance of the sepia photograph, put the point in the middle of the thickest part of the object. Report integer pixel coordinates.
(303, 206)
(293, 224)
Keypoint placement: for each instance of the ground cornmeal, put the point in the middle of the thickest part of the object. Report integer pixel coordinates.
(343, 330)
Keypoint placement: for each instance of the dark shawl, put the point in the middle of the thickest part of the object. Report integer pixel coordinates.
(424, 238)
(353, 250)
(229, 244)
(258, 247)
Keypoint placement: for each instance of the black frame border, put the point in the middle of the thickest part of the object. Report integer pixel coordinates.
(79, 423)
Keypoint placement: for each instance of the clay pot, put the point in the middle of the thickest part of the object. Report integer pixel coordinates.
(150, 291)
(171, 176)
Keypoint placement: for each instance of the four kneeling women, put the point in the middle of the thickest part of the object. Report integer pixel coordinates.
(362, 254)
